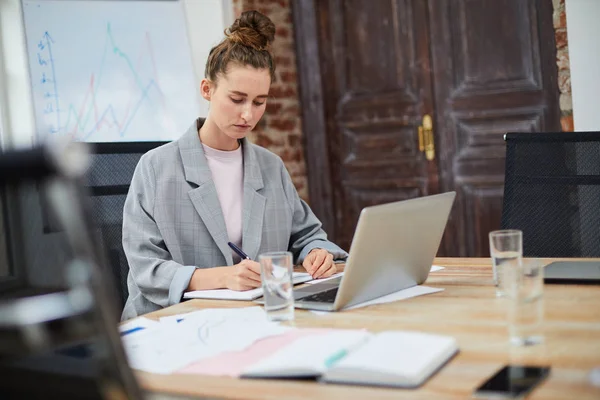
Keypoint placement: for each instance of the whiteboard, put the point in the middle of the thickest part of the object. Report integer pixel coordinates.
(110, 71)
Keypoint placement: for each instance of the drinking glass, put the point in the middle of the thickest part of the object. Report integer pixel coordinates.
(524, 288)
(276, 269)
(506, 250)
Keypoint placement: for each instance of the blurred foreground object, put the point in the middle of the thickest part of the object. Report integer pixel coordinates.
(65, 343)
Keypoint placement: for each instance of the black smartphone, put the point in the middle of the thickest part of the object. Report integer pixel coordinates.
(512, 382)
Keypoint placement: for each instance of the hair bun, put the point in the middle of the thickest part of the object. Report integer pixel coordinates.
(252, 29)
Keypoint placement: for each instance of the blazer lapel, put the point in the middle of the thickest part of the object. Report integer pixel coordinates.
(253, 204)
(204, 197)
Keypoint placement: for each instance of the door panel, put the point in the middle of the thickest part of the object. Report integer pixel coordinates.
(488, 78)
(499, 50)
(377, 87)
(372, 43)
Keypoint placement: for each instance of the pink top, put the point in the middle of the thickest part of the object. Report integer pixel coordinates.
(227, 168)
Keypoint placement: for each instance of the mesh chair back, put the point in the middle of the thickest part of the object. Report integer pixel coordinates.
(552, 192)
(108, 179)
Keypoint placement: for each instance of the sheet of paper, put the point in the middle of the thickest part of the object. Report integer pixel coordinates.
(311, 282)
(324, 279)
(176, 318)
(400, 295)
(171, 346)
(226, 294)
(256, 313)
(154, 350)
(317, 312)
(232, 363)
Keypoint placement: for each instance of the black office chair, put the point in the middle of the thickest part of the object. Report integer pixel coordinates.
(552, 192)
(108, 179)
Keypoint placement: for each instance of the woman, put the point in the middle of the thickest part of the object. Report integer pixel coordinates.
(191, 197)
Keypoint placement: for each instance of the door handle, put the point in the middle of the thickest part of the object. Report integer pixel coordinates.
(426, 143)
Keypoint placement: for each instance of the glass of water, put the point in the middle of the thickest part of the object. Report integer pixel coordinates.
(525, 294)
(506, 250)
(276, 269)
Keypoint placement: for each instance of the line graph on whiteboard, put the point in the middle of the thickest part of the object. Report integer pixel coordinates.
(99, 75)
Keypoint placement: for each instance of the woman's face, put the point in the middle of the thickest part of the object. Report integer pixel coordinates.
(238, 100)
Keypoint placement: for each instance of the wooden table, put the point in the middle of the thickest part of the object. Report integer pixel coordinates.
(468, 310)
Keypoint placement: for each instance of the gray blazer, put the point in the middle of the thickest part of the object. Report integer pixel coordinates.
(173, 223)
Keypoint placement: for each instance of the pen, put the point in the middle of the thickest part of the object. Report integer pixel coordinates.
(338, 355)
(238, 251)
(335, 358)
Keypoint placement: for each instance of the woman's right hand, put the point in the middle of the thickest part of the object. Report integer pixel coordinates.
(243, 276)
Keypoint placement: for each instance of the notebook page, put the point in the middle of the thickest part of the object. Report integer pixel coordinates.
(399, 357)
(308, 356)
(226, 294)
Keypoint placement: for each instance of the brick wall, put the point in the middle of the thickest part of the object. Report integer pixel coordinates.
(564, 69)
(280, 130)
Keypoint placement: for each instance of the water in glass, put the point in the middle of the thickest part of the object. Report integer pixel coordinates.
(276, 274)
(505, 262)
(526, 307)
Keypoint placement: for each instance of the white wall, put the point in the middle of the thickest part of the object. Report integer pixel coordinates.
(17, 125)
(16, 105)
(206, 16)
(583, 34)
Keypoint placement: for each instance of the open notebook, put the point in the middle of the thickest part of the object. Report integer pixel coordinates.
(392, 358)
(226, 294)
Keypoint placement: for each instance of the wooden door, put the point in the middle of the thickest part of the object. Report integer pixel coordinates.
(375, 87)
(494, 71)
(369, 72)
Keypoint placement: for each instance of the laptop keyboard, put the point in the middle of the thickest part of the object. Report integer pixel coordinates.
(328, 296)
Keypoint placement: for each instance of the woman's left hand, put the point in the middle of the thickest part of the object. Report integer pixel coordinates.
(319, 263)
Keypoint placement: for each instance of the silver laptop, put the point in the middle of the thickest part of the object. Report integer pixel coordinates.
(573, 271)
(392, 249)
